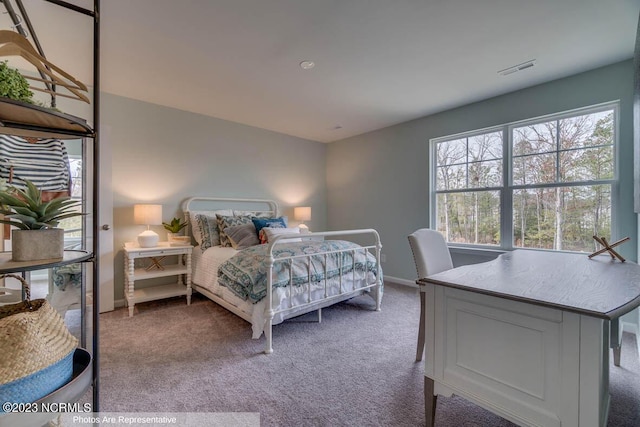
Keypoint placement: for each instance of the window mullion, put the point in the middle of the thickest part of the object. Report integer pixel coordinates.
(467, 162)
(558, 150)
(506, 193)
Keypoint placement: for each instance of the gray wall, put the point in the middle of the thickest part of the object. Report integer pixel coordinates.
(163, 155)
(378, 180)
(381, 179)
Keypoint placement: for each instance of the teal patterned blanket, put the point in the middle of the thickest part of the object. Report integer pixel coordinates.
(245, 274)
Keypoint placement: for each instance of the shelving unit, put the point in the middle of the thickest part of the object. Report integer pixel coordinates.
(7, 265)
(23, 119)
(28, 120)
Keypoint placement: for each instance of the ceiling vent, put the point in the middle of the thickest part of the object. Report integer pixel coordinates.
(517, 68)
(307, 65)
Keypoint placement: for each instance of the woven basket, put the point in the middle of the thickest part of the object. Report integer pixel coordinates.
(36, 349)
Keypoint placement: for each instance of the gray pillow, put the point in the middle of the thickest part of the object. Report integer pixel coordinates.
(225, 222)
(242, 236)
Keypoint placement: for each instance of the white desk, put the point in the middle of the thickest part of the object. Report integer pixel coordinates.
(526, 336)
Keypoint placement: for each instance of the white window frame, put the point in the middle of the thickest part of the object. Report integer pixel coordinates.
(76, 242)
(507, 188)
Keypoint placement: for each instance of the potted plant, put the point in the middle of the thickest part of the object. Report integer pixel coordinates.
(13, 85)
(37, 236)
(174, 227)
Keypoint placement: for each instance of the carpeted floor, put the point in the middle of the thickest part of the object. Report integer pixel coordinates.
(356, 368)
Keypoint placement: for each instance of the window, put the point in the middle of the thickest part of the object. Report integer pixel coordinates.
(543, 183)
(73, 227)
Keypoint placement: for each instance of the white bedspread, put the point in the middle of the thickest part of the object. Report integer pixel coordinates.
(205, 267)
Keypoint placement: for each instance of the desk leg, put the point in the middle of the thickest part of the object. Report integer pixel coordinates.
(616, 355)
(420, 349)
(430, 401)
(615, 337)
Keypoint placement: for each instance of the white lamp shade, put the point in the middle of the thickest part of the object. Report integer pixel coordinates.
(147, 214)
(302, 213)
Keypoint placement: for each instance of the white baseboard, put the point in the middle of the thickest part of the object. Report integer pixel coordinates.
(399, 281)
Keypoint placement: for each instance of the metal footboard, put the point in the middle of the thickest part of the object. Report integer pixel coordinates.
(311, 304)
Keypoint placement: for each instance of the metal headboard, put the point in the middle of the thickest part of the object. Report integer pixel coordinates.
(198, 203)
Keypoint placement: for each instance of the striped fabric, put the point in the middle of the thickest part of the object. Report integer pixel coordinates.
(44, 162)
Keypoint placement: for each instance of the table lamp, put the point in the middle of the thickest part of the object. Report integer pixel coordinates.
(302, 213)
(148, 215)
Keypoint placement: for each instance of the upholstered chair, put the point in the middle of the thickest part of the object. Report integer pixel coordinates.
(431, 256)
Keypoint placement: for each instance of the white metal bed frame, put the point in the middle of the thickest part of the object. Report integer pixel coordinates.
(310, 305)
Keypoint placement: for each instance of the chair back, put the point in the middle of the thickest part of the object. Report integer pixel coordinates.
(430, 252)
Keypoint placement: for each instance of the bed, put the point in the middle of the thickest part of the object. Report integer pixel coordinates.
(287, 274)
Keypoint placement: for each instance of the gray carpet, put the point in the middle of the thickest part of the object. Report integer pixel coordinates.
(356, 368)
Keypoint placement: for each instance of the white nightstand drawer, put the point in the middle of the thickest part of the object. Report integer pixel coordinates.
(156, 252)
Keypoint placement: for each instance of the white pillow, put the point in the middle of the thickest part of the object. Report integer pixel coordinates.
(200, 234)
(257, 214)
(273, 232)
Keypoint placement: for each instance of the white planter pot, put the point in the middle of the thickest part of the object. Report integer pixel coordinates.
(175, 239)
(35, 245)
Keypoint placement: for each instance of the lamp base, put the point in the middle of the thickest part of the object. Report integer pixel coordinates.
(303, 229)
(148, 239)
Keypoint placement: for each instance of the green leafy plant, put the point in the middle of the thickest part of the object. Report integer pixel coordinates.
(175, 225)
(26, 210)
(13, 85)
(45, 105)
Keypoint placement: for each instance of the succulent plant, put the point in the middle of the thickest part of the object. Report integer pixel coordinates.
(26, 210)
(175, 225)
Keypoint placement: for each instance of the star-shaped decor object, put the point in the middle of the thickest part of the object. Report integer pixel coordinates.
(608, 247)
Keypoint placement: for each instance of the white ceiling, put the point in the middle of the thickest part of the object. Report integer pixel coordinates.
(378, 62)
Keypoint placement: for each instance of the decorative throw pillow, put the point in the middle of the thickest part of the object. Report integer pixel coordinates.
(225, 222)
(242, 236)
(271, 232)
(207, 231)
(260, 223)
(262, 236)
(212, 232)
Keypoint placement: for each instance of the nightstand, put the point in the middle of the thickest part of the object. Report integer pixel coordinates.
(156, 269)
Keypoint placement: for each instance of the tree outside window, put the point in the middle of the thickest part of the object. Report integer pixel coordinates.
(547, 181)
